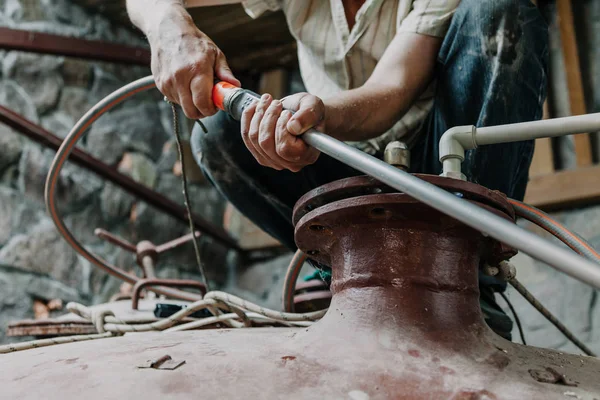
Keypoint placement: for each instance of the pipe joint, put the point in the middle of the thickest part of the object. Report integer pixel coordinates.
(453, 144)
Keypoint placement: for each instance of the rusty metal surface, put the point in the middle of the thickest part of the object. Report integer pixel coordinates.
(83, 159)
(404, 323)
(177, 283)
(46, 43)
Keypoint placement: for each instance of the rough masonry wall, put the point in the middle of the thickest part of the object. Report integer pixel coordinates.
(35, 262)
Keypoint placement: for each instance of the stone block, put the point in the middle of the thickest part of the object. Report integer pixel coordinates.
(135, 128)
(16, 213)
(74, 103)
(43, 250)
(16, 98)
(18, 290)
(38, 75)
(11, 144)
(58, 123)
(75, 184)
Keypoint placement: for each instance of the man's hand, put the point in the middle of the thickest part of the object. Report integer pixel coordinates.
(184, 64)
(270, 133)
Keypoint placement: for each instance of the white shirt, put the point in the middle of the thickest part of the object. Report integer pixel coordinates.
(334, 58)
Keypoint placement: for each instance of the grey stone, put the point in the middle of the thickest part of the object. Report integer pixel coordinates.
(115, 203)
(77, 73)
(58, 123)
(14, 97)
(75, 184)
(11, 145)
(19, 288)
(16, 213)
(205, 200)
(38, 74)
(74, 103)
(43, 250)
(134, 128)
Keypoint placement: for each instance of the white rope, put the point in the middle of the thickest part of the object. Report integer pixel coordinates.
(239, 314)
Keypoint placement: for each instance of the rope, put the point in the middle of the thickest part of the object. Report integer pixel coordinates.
(240, 314)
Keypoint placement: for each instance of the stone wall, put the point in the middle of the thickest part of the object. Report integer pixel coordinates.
(35, 262)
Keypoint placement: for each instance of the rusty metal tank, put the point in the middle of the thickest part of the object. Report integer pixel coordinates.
(404, 323)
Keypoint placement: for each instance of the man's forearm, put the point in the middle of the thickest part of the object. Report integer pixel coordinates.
(366, 112)
(149, 15)
(403, 73)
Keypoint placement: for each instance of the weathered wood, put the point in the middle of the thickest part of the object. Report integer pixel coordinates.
(583, 148)
(250, 45)
(274, 82)
(564, 189)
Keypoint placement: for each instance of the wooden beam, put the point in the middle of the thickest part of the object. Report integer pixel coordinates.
(564, 189)
(274, 82)
(583, 148)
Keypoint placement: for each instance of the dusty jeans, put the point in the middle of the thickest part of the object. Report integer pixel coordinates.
(491, 70)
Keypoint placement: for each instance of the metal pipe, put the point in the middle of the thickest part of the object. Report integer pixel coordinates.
(455, 141)
(476, 217)
(46, 43)
(537, 129)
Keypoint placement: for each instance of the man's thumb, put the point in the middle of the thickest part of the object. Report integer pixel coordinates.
(223, 72)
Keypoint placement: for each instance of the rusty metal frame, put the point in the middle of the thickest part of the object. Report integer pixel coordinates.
(83, 159)
(45, 43)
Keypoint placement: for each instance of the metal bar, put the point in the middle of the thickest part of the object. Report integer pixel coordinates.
(537, 129)
(142, 192)
(473, 216)
(184, 283)
(45, 43)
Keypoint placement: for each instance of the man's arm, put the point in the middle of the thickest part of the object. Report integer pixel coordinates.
(184, 60)
(401, 75)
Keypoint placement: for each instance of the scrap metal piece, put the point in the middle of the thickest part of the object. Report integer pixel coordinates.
(164, 362)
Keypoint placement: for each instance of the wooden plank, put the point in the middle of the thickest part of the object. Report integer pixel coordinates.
(583, 148)
(274, 82)
(564, 189)
(543, 159)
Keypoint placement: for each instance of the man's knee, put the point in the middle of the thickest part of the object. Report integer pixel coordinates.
(215, 135)
(506, 29)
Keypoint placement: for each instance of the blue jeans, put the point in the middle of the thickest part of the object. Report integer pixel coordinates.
(491, 70)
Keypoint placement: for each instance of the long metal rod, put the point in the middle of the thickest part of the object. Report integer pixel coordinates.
(46, 43)
(537, 129)
(85, 160)
(476, 217)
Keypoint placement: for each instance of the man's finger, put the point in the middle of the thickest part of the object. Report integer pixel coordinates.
(187, 104)
(288, 147)
(266, 132)
(308, 115)
(253, 131)
(223, 72)
(245, 122)
(201, 88)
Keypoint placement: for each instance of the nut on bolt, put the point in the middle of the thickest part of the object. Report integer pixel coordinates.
(397, 154)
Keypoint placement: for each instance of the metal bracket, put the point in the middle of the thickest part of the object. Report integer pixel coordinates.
(164, 362)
